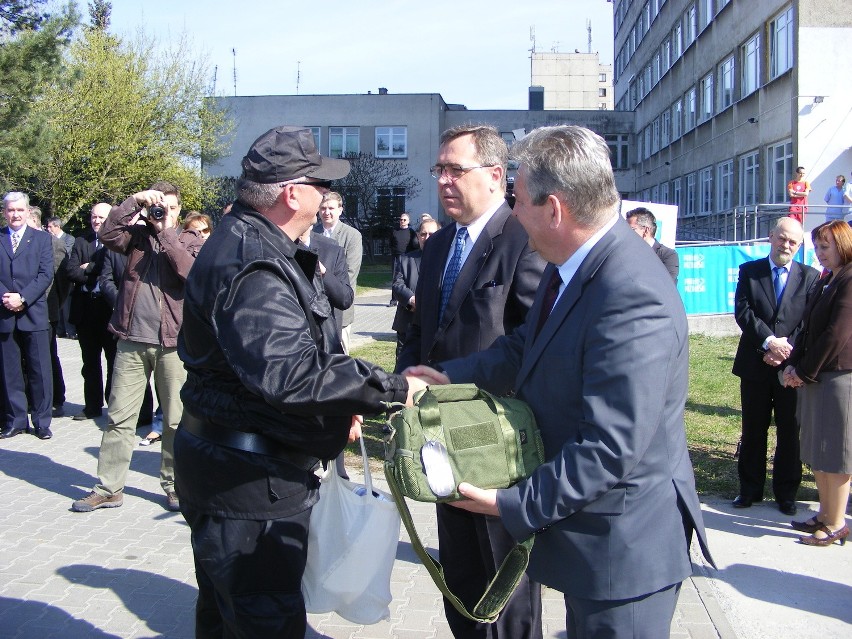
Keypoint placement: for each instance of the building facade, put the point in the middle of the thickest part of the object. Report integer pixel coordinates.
(404, 127)
(572, 81)
(730, 96)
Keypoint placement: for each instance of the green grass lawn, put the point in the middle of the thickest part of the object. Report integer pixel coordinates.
(374, 276)
(712, 417)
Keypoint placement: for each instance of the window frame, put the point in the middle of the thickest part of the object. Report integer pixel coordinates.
(392, 133)
(775, 36)
(346, 134)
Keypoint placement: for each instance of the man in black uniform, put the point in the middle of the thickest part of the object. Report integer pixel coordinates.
(268, 393)
(403, 240)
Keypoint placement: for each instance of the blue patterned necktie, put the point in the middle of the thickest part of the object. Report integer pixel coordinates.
(453, 269)
(14, 242)
(778, 284)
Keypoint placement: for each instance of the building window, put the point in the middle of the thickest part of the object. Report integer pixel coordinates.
(722, 3)
(677, 119)
(647, 77)
(726, 84)
(316, 132)
(677, 41)
(618, 150)
(391, 142)
(781, 44)
(705, 181)
(665, 128)
(725, 185)
(707, 97)
(601, 93)
(655, 68)
(691, 195)
(676, 192)
(779, 159)
(655, 135)
(705, 13)
(666, 54)
(601, 77)
(344, 141)
(655, 193)
(664, 193)
(690, 110)
(390, 202)
(749, 179)
(646, 145)
(750, 76)
(690, 26)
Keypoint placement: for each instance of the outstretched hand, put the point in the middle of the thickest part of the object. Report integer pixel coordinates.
(477, 500)
(428, 374)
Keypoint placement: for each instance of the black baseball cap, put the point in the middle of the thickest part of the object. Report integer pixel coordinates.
(286, 153)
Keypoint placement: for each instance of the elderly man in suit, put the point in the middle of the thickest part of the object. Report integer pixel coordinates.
(614, 507)
(769, 304)
(405, 278)
(478, 277)
(90, 313)
(26, 272)
(349, 238)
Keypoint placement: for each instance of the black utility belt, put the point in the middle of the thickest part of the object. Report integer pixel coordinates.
(247, 442)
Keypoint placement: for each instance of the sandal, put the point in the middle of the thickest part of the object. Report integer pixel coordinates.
(150, 440)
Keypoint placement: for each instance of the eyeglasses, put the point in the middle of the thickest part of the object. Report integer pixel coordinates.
(454, 171)
(320, 184)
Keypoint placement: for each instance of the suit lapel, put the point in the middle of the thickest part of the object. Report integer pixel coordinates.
(794, 282)
(766, 283)
(7, 241)
(535, 347)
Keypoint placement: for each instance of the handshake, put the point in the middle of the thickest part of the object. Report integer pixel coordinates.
(419, 377)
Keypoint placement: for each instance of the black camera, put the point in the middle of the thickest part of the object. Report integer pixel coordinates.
(156, 212)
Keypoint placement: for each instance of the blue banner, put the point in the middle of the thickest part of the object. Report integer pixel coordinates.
(708, 275)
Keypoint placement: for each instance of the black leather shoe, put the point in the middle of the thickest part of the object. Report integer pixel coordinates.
(742, 502)
(787, 506)
(80, 417)
(11, 431)
(58, 411)
(43, 433)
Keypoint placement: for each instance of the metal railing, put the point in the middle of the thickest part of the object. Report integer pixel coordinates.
(747, 224)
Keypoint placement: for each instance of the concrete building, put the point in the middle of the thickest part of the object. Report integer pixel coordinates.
(405, 127)
(730, 96)
(571, 81)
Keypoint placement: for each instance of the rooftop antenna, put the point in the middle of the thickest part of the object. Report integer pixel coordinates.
(589, 29)
(298, 75)
(532, 50)
(234, 53)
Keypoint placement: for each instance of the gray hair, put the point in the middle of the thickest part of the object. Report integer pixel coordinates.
(644, 218)
(14, 196)
(490, 148)
(258, 196)
(572, 163)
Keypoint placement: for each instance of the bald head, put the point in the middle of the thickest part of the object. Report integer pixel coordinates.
(785, 239)
(100, 211)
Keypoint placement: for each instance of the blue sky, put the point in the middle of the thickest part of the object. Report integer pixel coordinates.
(473, 52)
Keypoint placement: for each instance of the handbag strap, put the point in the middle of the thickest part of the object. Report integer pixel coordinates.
(428, 405)
(497, 593)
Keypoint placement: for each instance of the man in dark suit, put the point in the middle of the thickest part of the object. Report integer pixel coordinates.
(644, 223)
(406, 275)
(606, 374)
(26, 271)
(64, 328)
(478, 277)
(90, 313)
(403, 240)
(769, 304)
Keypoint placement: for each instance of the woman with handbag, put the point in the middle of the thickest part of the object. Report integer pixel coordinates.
(821, 367)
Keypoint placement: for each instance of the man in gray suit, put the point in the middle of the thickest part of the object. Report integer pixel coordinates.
(350, 240)
(606, 373)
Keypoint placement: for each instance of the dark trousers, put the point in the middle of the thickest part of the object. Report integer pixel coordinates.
(94, 338)
(58, 379)
(760, 400)
(645, 617)
(471, 548)
(249, 576)
(35, 347)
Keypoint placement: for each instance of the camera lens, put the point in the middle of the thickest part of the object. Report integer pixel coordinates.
(156, 212)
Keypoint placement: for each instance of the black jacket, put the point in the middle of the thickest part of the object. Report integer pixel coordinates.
(262, 355)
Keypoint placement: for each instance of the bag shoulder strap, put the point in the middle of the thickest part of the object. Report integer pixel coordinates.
(498, 591)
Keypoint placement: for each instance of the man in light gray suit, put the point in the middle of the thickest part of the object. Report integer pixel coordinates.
(350, 240)
(606, 372)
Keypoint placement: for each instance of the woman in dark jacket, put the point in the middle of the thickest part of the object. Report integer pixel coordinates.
(821, 367)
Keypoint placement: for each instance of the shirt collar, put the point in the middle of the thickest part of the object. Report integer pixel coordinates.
(773, 265)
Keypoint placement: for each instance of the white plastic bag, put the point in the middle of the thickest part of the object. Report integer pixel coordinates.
(351, 549)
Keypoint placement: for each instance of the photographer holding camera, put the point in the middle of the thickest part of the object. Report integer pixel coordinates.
(147, 318)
